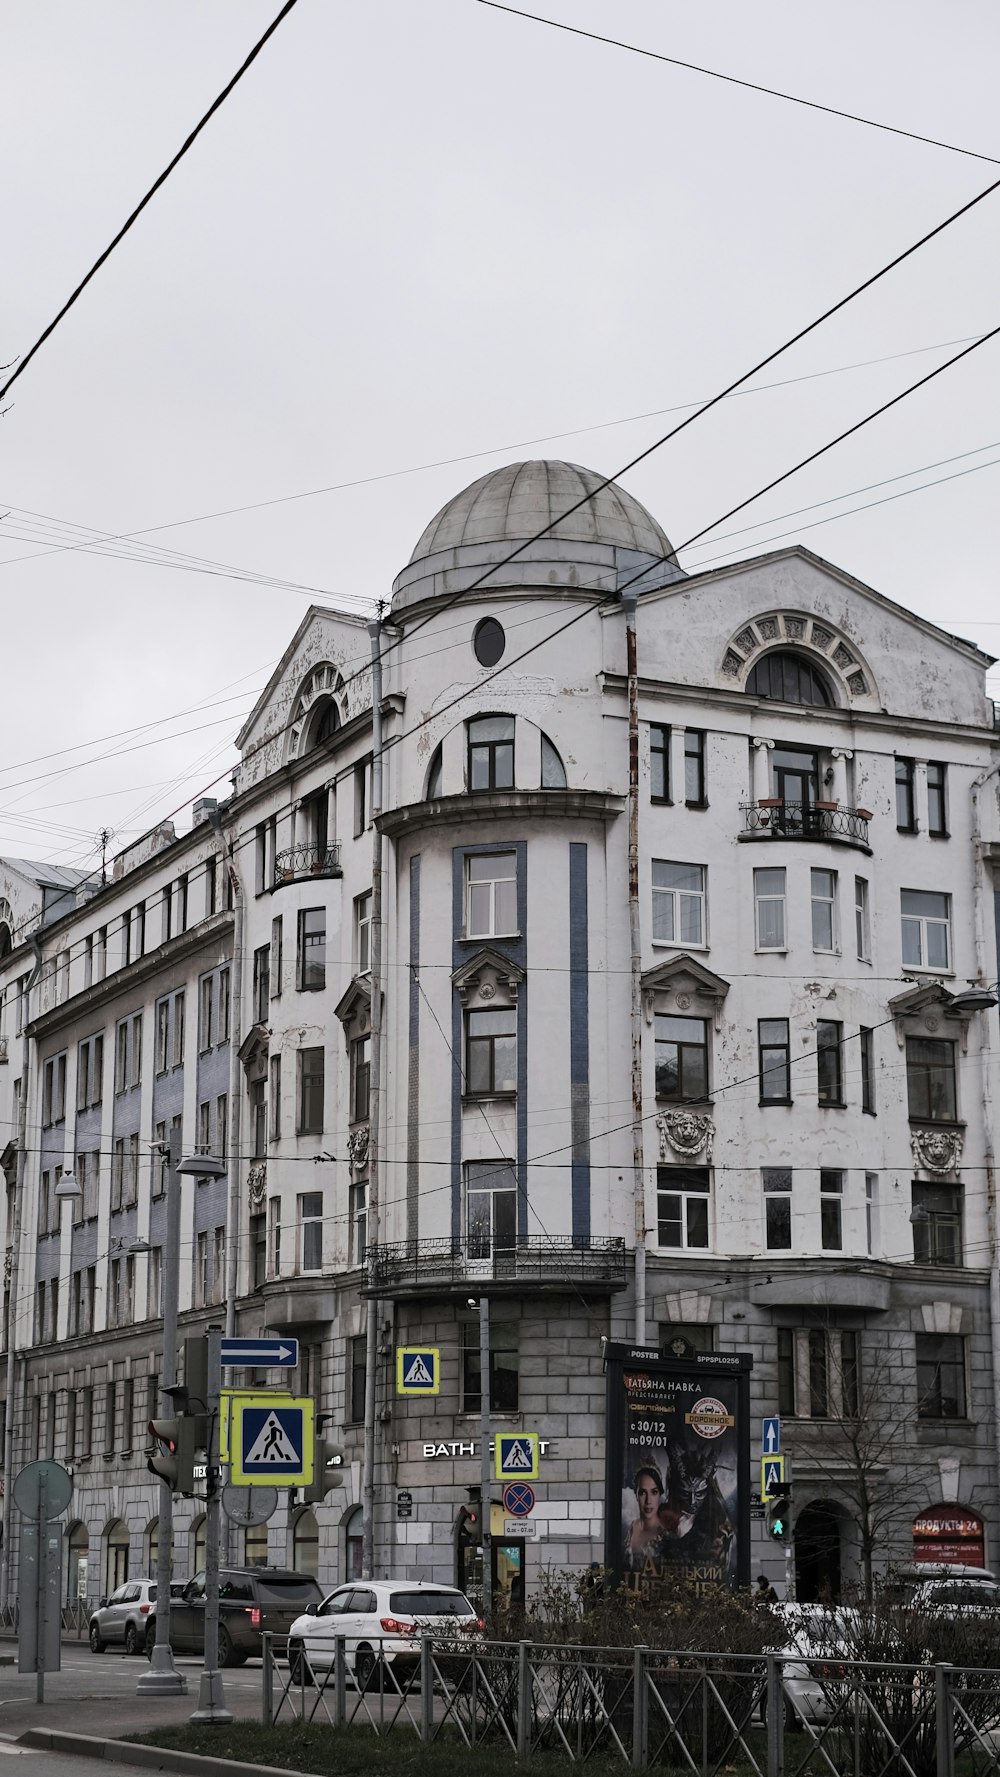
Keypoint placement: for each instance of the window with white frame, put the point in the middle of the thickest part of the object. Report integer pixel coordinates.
(682, 1206)
(491, 1207)
(769, 908)
(205, 987)
(926, 933)
(862, 920)
(162, 1035)
(491, 895)
(491, 752)
(823, 893)
(274, 1237)
(491, 1051)
(776, 1182)
(871, 1213)
(363, 933)
(678, 903)
(311, 1230)
(358, 1215)
(831, 1210)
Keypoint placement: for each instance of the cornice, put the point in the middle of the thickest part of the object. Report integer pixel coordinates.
(122, 981)
(500, 805)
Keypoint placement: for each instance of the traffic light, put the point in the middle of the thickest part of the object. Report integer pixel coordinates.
(328, 1471)
(470, 1522)
(178, 1440)
(779, 1523)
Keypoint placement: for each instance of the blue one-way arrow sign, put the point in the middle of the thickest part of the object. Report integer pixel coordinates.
(770, 1437)
(259, 1353)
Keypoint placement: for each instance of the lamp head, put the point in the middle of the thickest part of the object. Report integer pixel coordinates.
(67, 1186)
(202, 1166)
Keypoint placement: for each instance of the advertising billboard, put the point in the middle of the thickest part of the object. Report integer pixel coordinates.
(678, 1468)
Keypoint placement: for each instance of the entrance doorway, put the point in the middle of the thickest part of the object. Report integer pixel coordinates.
(116, 1560)
(817, 1555)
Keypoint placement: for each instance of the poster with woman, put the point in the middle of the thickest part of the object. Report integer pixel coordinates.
(678, 1479)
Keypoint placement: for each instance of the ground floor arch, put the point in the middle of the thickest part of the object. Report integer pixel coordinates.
(77, 1562)
(116, 1548)
(818, 1553)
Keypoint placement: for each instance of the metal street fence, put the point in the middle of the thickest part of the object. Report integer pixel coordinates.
(700, 1713)
(75, 1617)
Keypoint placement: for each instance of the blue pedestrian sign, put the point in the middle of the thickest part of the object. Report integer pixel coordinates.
(418, 1369)
(271, 1439)
(518, 1499)
(770, 1436)
(516, 1456)
(263, 1354)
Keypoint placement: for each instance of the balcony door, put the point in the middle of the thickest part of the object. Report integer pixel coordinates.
(491, 1213)
(795, 775)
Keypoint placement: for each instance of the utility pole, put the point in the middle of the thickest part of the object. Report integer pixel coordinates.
(374, 1100)
(163, 1678)
(485, 1478)
(234, 1214)
(635, 958)
(12, 1281)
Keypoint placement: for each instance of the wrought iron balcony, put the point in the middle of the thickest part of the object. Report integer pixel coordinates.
(806, 820)
(303, 861)
(433, 1267)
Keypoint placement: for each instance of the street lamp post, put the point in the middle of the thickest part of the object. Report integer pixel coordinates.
(163, 1678)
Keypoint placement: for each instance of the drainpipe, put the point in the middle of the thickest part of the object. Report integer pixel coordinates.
(374, 1101)
(233, 1216)
(635, 948)
(984, 975)
(15, 1266)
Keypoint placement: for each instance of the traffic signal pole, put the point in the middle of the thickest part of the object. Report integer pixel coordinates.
(163, 1678)
(211, 1694)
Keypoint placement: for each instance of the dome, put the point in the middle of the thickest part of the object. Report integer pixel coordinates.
(514, 503)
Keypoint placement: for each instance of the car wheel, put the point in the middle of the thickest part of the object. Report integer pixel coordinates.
(132, 1642)
(150, 1641)
(367, 1668)
(96, 1644)
(227, 1653)
(298, 1665)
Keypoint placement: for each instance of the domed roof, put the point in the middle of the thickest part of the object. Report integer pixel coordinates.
(516, 502)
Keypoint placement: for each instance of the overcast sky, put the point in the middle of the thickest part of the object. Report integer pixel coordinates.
(422, 229)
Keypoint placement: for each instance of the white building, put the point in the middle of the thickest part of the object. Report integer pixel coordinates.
(817, 821)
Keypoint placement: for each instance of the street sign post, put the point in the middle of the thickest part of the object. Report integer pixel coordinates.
(272, 1439)
(259, 1354)
(42, 1491)
(518, 1499)
(527, 1529)
(249, 1505)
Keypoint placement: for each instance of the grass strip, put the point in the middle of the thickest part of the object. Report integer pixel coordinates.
(323, 1751)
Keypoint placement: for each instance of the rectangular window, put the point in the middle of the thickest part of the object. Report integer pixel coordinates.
(182, 903)
(257, 1230)
(491, 752)
(205, 997)
(659, 762)
(167, 921)
(871, 1213)
(311, 970)
(205, 1127)
(678, 903)
(258, 1119)
(48, 1074)
(361, 1050)
(491, 1051)
(681, 1058)
(135, 1050)
(311, 1230)
(819, 1374)
(117, 1172)
(831, 1210)
(275, 1098)
(862, 920)
(260, 859)
(926, 921)
(362, 796)
(82, 1076)
(160, 1161)
(358, 1206)
(261, 983)
(774, 1061)
(311, 1091)
(823, 890)
(937, 813)
(154, 1284)
(491, 904)
(694, 768)
(162, 1036)
(97, 1071)
(359, 1363)
(940, 1376)
(491, 1208)
(503, 1367)
(936, 1219)
(274, 1237)
(363, 934)
(218, 1263)
(777, 1184)
(222, 1126)
(224, 1002)
(177, 1054)
(139, 930)
(829, 1061)
(866, 1045)
(200, 1279)
(786, 1372)
(277, 957)
(682, 1205)
(132, 1169)
(930, 1079)
(905, 806)
(211, 887)
(769, 909)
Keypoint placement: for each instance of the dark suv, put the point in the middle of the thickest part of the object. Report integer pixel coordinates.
(250, 1599)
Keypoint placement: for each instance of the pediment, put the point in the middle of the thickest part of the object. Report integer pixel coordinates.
(253, 1049)
(356, 1003)
(927, 1009)
(687, 984)
(487, 963)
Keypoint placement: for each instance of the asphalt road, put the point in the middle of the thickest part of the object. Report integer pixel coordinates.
(96, 1694)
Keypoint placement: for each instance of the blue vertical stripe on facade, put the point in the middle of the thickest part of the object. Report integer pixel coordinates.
(579, 1041)
(413, 1062)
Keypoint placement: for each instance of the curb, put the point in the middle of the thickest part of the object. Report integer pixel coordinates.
(154, 1758)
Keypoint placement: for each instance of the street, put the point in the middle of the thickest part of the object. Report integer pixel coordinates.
(96, 1694)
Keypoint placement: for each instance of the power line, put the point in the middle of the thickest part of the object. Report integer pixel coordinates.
(151, 193)
(753, 86)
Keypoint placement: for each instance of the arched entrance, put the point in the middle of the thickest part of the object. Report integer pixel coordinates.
(77, 1563)
(817, 1554)
(305, 1543)
(116, 1541)
(353, 1536)
(949, 1533)
(151, 1543)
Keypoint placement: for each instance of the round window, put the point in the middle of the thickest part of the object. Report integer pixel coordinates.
(489, 642)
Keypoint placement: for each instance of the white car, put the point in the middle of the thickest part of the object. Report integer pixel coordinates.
(819, 1641)
(121, 1619)
(381, 1622)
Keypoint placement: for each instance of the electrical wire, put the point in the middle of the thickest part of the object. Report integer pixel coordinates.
(151, 193)
(753, 86)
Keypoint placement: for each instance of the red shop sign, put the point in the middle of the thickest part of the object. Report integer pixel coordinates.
(949, 1533)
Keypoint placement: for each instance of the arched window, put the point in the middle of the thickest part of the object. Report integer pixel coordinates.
(788, 678)
(116, 1541)
(435, 776)
(77, 1563)
(327, 723)
(255, 1546)
(6, 941)
(553, 769)
(305, 1543)
(353, 1535)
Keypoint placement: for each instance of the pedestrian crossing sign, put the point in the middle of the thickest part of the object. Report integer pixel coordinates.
(418, 1369)
(271, 1439)
(516, 1456)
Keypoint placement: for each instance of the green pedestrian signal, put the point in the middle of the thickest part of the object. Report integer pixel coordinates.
(779, 1523)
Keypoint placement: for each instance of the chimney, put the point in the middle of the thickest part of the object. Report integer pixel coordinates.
(204, 806)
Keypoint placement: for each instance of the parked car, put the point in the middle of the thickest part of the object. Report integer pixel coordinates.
(121, 1619)
(251, 1599)
(819, 1640)
(381, 1622)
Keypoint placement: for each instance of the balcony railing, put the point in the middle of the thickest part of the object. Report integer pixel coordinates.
(806, 820)
(302, 861)
(429, 1266)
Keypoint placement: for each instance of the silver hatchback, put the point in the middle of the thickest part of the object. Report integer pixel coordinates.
(120, 1621)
